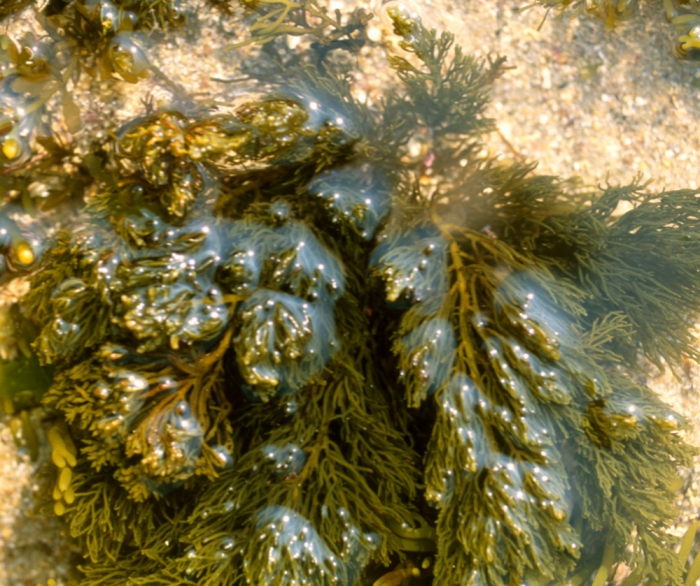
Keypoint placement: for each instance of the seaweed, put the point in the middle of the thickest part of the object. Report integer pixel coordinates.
(268, 353)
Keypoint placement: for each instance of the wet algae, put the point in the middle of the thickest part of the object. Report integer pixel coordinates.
(273, 346)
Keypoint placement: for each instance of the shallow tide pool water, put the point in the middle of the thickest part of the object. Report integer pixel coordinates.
(285, 300)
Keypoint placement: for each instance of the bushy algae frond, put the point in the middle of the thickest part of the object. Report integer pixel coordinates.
(277, 356)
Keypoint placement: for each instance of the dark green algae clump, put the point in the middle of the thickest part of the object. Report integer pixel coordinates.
(279, 349)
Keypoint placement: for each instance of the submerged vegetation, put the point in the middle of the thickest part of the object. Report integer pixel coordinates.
(275, 346)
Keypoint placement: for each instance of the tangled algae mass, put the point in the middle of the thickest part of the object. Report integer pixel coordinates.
(299, 338)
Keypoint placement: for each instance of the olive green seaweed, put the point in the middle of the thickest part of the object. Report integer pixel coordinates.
(308, 340)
